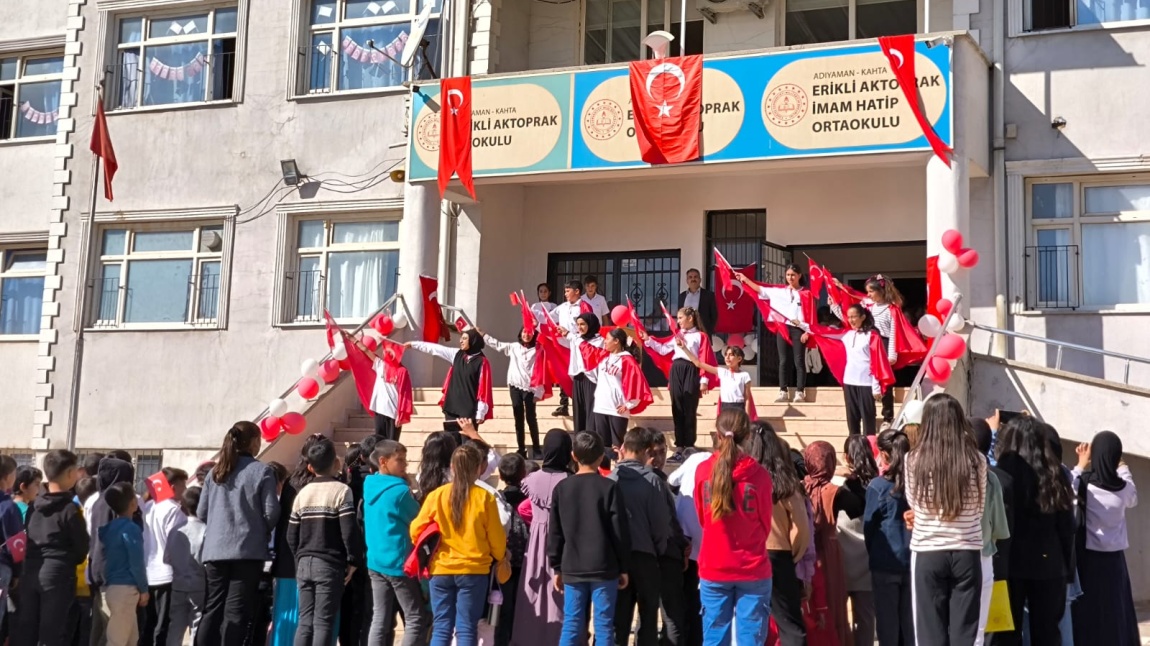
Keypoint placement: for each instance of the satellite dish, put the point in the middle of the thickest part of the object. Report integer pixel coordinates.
(417, 30)
(659, 42)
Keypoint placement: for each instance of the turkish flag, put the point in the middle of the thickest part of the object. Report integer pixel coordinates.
(101, 146)
(435, 327)
(667, 101)
(358, 361)
(736, 307)
(933, 286)
(899, 52)
(525, 313)
(17, 545)
(723, 271)
(455, 132)
(818, 276)
(159, 487)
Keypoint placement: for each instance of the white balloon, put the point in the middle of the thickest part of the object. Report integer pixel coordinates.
(751, 340)
(955, 323)
(309, 367)
(399, 319)
(277, 408)
(717, 343)
(339, 352)
(749, 352)
(947, 263)
(912, 412)
(929, 325)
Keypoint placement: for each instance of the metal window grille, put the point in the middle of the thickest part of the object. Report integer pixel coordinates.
(1052, 277)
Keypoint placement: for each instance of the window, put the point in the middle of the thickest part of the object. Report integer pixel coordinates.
(30, 95)
(1041, 15)
(825, 21)
(175, 59)
(21, 290)
(347, 267)
(161, 277)
(614, 30)
(349, 43)
(1090, 244)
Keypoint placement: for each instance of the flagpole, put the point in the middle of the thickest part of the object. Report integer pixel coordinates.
(82, 286)
(683, 28)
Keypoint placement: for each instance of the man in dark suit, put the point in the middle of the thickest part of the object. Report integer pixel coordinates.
(701, 299)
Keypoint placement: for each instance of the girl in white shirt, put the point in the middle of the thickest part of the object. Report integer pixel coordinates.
(620, 388)
(582, 379)
(686, 382)
(881, 298)
(523, 394)
(734, 384)
(795, 303)
(391, 398)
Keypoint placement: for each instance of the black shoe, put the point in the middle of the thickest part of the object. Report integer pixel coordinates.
(561, 412)
(537, 453)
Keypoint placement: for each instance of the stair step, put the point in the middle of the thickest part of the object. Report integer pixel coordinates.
(820, 396)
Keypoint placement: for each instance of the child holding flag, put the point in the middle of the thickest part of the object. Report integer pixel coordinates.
(795, 304)
(686, 382)
(520, 371)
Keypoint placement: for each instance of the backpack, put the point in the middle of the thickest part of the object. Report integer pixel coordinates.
(518, 533)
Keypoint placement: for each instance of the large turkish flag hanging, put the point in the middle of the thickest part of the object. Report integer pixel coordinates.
(667, 101)
(455, 132)
(899, 52)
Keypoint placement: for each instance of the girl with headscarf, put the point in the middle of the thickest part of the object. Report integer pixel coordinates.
(1104, 614)
(539, 608)
(520, 369)
(827, 501)
(583, 380)
(467, 399)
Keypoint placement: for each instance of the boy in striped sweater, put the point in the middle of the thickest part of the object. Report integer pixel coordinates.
(323, 536)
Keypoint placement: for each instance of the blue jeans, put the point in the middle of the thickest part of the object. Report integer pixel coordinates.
(749, 602)
(5, 583)
(456, 607)
(576, 599)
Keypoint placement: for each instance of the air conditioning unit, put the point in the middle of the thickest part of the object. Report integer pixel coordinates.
(710, 9)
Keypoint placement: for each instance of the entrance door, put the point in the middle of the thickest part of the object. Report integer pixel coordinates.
(646, 277)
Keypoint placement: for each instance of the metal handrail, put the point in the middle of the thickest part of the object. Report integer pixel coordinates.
(915, 386)
(1061, 345)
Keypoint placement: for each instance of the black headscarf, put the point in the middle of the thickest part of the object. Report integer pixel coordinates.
(529, 344)
(592, 322)
(1105, 454)
(556, 451)
(475, 341)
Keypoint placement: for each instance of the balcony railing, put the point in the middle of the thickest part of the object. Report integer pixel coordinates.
(1052, 277)
(141, 82)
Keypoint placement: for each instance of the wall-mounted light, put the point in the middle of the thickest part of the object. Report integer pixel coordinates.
(1059, 123)
(398, 175)
(291, 172)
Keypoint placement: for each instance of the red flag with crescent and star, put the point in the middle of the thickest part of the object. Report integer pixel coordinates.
(667, 101)
(899, 52)
(455, 133)
(736, 308)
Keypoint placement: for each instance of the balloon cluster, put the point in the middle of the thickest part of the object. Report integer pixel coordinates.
(745, 342)
(315, 375)
(949, 346)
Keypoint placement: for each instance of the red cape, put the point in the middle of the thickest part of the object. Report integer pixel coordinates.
(635, 386)
(908, 343)
(484, 390)
(551, 359)
(829, 341)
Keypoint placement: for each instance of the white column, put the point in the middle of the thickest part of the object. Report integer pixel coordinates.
(948, 207)
(418, 254)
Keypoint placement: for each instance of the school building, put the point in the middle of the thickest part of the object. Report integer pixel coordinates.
(278, 159)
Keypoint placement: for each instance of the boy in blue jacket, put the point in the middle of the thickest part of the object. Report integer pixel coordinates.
(11, 525)
(126, 580)
(388, 511)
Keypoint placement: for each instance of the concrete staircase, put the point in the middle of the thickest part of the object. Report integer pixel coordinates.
(822, 417)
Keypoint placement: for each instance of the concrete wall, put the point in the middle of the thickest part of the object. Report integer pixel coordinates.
(17, 382)
(21, 19)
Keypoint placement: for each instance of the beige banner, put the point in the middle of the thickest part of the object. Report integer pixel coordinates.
(845, 101)
(607, 122)
(512, 126)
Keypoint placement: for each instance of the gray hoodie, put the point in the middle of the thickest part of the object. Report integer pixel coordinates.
(240, 513)
(647, 511)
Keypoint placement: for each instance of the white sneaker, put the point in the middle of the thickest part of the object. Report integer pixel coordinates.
(782, 398)
(800, 397)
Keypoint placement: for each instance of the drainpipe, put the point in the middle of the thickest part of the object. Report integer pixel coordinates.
(1001, 286)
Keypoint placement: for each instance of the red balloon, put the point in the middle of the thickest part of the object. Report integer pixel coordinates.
(329, 371)
(307, 388)
(944, 305)
(270, 428)
(369, 342)
(938, 370)
(736, 341)
(952, 241)
(620, 316)
(967, 258)
(950, 346)
(294, 423)
(344, 364)
(383, 324)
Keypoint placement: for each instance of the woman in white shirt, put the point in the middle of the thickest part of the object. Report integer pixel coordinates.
(620, 388)
(582, 379)
(686, 382)
(795, 303)
(1104, 614)
(523, 394)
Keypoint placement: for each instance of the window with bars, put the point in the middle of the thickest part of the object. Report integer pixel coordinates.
(348, 267)
(174, 59)
(30, 95)
(22, 274)
(159, 276)
(1090, 243)
(356, 44)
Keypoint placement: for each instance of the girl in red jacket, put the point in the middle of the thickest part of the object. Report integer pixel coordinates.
(733, 500)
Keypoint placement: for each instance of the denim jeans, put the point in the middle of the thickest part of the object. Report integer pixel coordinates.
(320, 591)
(748, 602)
(5, 584)
(577, 597)
(391, 593)
(456, 607)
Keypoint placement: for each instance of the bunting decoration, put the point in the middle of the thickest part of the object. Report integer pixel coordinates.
(35, 116)
(371, 57)
(187, 71)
